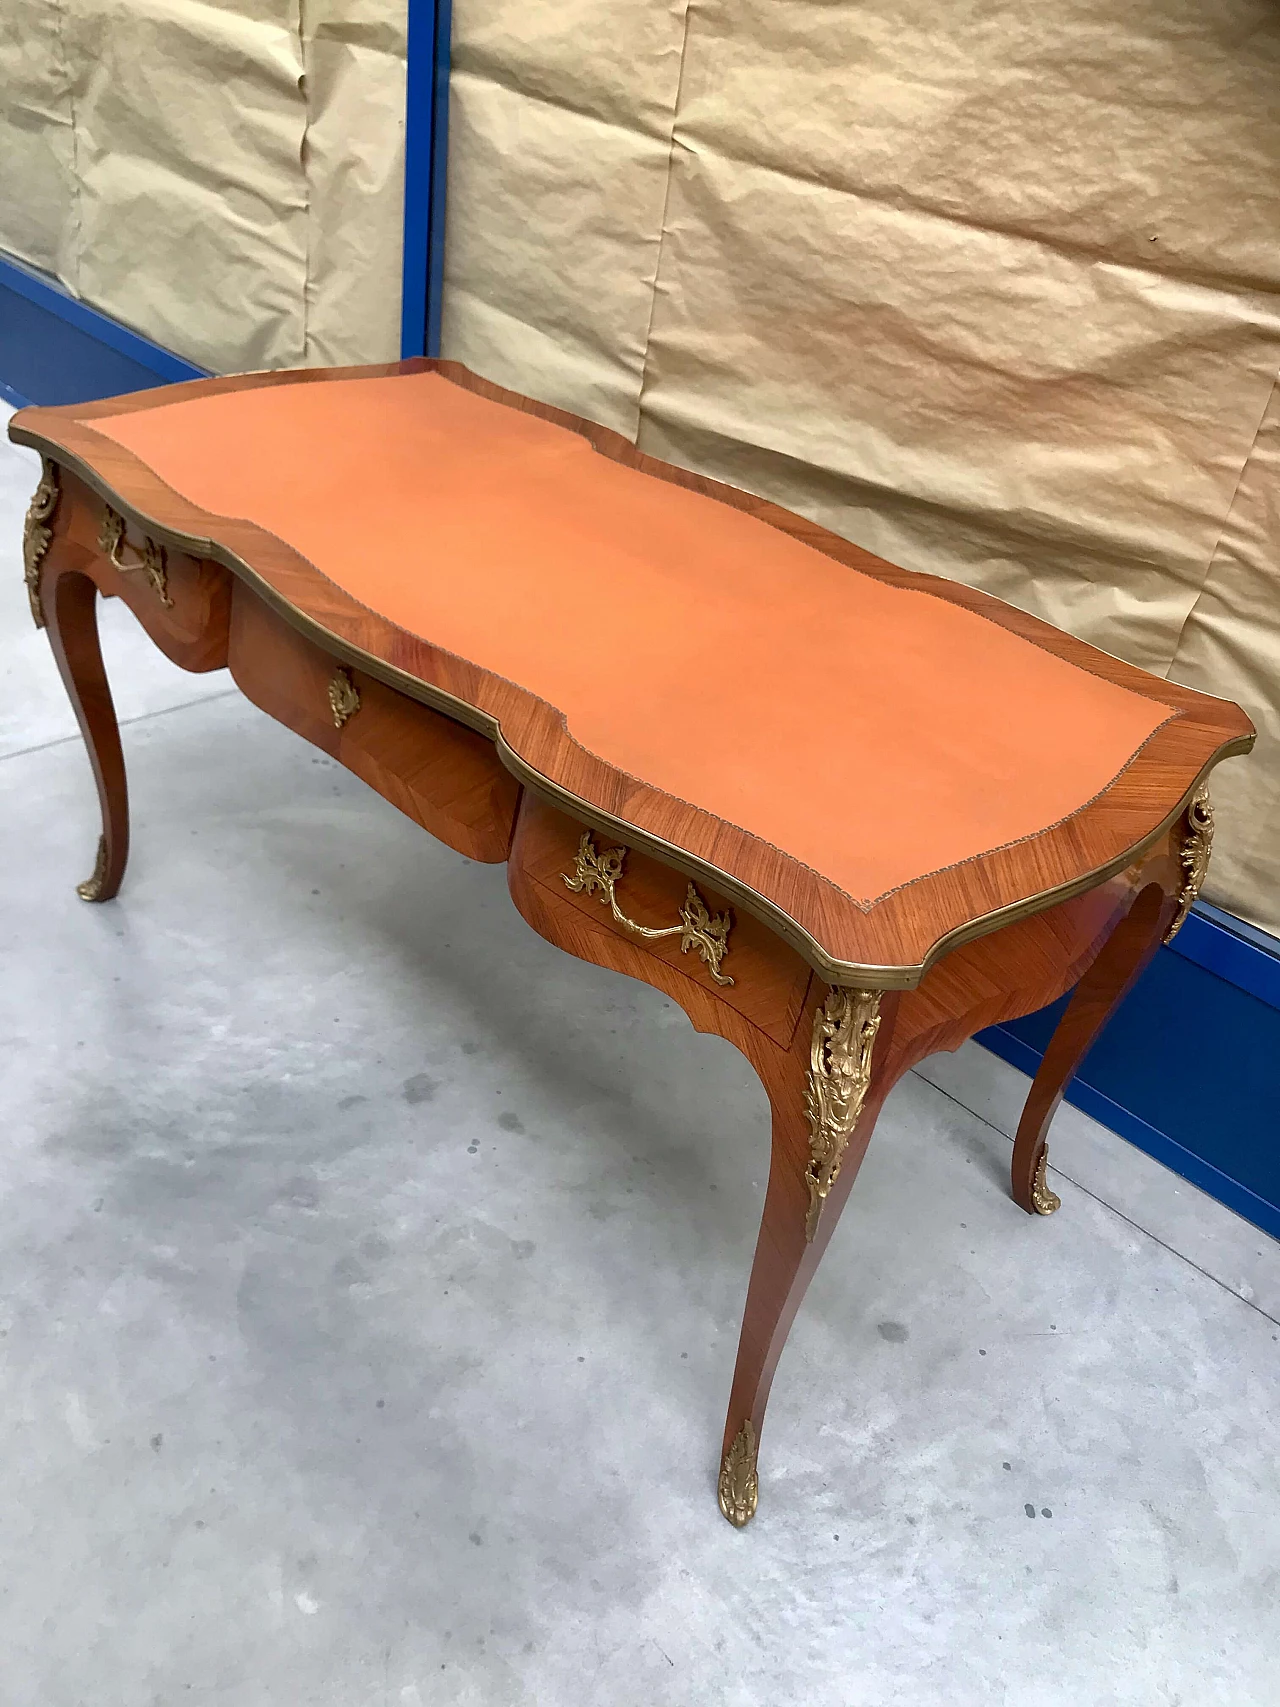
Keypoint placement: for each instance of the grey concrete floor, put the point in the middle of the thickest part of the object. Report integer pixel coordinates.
(370, 1278)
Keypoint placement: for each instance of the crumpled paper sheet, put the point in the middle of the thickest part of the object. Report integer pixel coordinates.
(225, 178)
(989, 289)
(36, 137)
(356, 54)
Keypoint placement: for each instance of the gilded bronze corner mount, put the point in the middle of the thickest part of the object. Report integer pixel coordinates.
(844, 1034)
(37, 535)
(1197, 845)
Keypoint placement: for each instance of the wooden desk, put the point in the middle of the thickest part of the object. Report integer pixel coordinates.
(843, 814)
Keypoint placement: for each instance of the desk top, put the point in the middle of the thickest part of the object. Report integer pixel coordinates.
(879, 763)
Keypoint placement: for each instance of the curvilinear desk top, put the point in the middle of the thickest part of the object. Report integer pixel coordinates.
(875, 766)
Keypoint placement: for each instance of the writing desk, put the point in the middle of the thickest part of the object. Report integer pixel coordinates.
(844, 814)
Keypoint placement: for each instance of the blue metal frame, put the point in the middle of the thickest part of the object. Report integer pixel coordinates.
(55, 349)
(425, 156)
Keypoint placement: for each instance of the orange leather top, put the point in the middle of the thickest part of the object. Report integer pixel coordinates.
(877, 734)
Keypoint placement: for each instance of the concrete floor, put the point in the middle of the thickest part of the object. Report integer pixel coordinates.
(370, 1278)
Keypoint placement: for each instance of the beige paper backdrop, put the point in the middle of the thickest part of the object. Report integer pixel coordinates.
(225, 178)
(989, 288)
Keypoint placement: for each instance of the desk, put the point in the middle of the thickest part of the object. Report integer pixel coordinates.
(844, 814)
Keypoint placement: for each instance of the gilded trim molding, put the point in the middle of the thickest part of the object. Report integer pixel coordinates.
(1197, 845)
(738, 1489)
(699, 929)
(882, 976)
(37, 535)
(844, 1034)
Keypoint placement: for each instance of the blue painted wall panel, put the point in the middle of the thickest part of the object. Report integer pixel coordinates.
(45, 359)
(55, 349)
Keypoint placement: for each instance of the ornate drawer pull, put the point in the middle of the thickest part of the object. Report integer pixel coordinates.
(110, 541)
(344, 697)
(698, 928)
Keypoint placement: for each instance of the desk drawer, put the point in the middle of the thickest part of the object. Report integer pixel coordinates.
(184, 603)
(746, 966)
(441, 774)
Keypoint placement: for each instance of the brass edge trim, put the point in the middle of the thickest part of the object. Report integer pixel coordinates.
(846, 972)
(877, 977)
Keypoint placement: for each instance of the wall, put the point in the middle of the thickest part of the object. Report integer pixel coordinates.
(225, 179)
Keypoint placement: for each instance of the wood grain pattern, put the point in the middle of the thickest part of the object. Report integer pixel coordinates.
(1126, 953)
(441, 774)
(192, 629)
(770, 979)
(889, 944)
(69, 593)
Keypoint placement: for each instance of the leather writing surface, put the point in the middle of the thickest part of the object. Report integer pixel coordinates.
(872, 732)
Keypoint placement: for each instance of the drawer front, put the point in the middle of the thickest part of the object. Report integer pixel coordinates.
(659, 912)
(184, 603)
(441, 774)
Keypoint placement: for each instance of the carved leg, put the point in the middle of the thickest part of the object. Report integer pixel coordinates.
(825, 1100)
(1123, 958)
(69, 606)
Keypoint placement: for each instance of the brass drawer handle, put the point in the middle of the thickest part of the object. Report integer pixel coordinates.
(344, 697)
(698, 928)
(153, 566)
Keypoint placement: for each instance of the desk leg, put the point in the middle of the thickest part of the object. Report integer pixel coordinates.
(1123, 958)
(69, 598)
(794, 1231)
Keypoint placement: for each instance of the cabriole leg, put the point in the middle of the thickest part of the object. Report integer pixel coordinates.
(1123, 958)
(825, 1103)
(69, 605)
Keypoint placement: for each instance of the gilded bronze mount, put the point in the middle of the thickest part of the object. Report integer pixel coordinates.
(844, 1034)
(344, 697)
(738, 1489)
(37, 536)
(1197, 845)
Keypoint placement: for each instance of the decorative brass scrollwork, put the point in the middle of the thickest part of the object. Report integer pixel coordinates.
(37, 536)
(344, 697)
(844, 1034)
(1197, 845)
(698, 928)
(1043, 1201)
(738, 1489)
(91, 888)
(153, 565)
